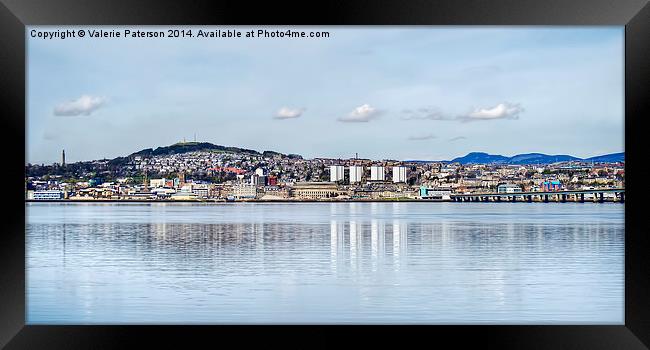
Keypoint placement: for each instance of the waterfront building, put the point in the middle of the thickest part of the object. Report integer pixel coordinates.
(356, 172)
(314, 190)
(201, 190)
(47, 195)
(336, 173)
(377, 173)
(244, 190)
(508, 188)
(184, 195)
(259, 172)
(162, 192)
(399, 174)
(435, 193)
(275, 192)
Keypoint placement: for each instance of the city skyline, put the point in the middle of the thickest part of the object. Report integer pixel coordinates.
(385, 93)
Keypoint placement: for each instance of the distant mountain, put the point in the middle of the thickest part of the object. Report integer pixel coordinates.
(481, 158)
(539, 158)
(533, 158)
(608, 158)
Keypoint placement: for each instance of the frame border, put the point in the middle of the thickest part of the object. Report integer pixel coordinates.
(633, 14)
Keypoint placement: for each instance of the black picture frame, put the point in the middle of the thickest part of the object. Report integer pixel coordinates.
(16, 14)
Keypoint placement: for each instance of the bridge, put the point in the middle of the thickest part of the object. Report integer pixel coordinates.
(618, 195)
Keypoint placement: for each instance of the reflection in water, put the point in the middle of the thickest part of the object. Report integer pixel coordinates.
(325, 263)
(355, 243)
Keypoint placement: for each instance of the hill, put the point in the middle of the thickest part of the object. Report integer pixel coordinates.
(185, 147)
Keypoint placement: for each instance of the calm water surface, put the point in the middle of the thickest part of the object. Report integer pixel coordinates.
(432, 263)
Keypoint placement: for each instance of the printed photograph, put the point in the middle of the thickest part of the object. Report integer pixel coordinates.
(325, 175)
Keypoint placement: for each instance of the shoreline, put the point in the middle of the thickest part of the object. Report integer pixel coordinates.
(288, 201)
(224, 201)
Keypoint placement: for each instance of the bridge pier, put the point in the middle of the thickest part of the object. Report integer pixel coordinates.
(622, 197)
(563, 198)
(545, 198)
(601, 197)
(582, 197)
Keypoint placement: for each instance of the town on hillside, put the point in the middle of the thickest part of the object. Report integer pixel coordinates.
(232, 174)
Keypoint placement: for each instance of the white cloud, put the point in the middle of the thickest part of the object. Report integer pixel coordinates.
(288, 113)
(422, 137)
(84, 105)
(361, 114)
(457, 138)
(501, 111)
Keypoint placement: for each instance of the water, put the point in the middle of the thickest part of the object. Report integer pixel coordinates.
(431, 263)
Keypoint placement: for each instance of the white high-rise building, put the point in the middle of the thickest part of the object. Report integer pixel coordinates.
(259, 172)
(399, 174)
(377, 173)
(336, 173)
(356, 172)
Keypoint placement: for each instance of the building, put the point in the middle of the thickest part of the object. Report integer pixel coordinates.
(508, 188)
(162, 192)
(259, 180)
(201, 190)
(336, 173)
(314, 190)
(434, 193)
(259, 172)
(244, 190)
(154, 183)
(48, 195)
(399, 174)
(274, 193)
(553, 185)
(184, 195)
(356, 172)
(377, 173)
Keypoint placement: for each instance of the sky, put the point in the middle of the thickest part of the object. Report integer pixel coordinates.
(389, 92)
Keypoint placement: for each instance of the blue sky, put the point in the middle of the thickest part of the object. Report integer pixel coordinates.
(414, 92)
